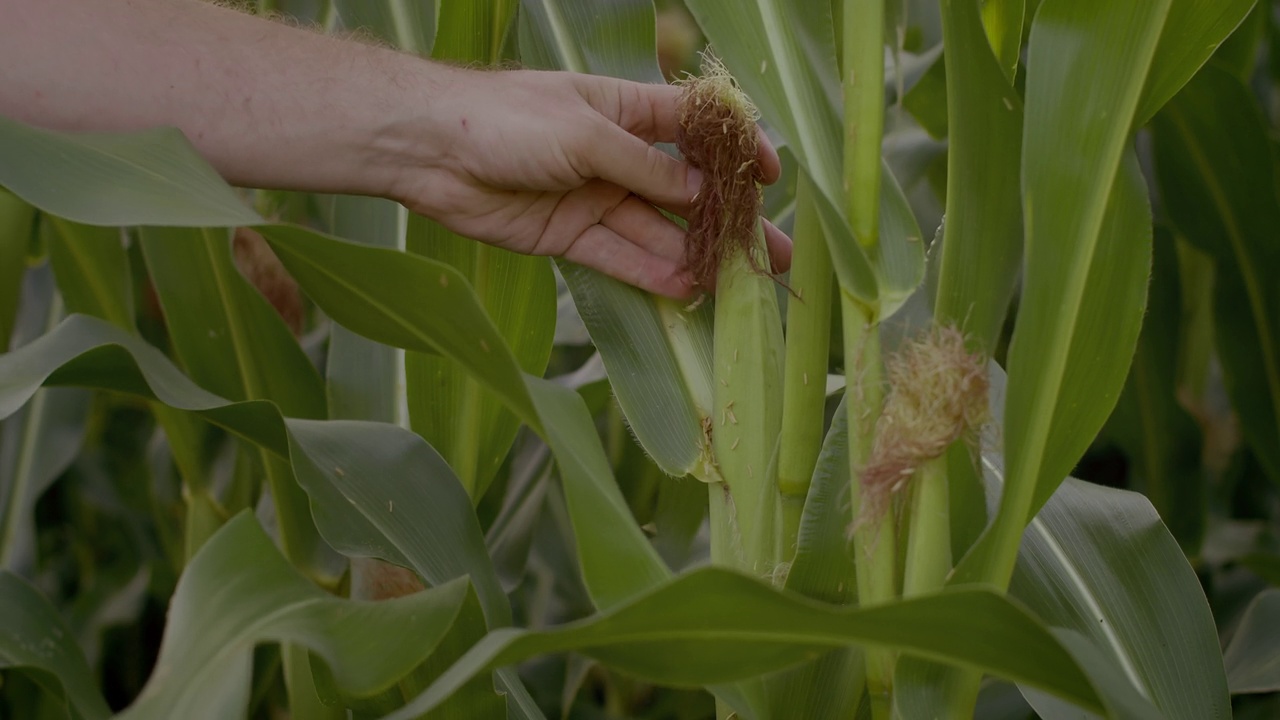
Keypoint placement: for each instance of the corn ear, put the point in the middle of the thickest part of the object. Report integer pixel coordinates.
(747, 414)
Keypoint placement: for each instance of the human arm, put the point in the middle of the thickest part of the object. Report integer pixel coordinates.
(545, 163)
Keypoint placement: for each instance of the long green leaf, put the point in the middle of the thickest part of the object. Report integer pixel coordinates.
(1087, 250)
(706, 627)
(231, 341)
(1003, 20)
(1219, 186)
(155, 169)
(35, 639)
(982, 237)
(239, 592)
(363, 377)
(1193, 31)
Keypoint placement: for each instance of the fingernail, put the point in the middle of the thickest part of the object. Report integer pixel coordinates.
(693, 182)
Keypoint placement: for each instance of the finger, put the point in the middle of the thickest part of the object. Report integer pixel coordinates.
(779, 247)
(626, 160)
(641, 224)
(770, 164)
(602, 249)
(645, 110)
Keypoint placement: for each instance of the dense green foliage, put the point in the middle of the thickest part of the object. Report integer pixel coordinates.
(345, 463)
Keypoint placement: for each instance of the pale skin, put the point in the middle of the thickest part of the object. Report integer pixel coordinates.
(540, 163)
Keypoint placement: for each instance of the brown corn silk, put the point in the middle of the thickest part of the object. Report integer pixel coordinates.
(717, 135)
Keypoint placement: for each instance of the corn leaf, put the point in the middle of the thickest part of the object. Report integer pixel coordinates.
(34, 639)
(239, 578)
(158, 169)
(1002, 20)
(1219, 187)
(1252, 660)
(704, 628)
(363, 378)
(1088, 235)
(982, 237)
(1193, 31)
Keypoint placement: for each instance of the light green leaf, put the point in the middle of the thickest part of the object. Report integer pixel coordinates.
(34, 639)
(232, 342)
(1002, 20)
(153, 177)
(1253, 656)
(1219, 186)
(823, 567)
(583, 36)
(238, 592)
(1192, 32)
(658, 357)
(408, 24)
(362, 377)
(706, 628)
(982, 237)
(1088, 228)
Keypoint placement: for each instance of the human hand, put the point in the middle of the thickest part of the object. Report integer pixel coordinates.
(549, 163)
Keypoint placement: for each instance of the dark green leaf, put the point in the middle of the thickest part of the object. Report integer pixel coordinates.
(706, 627)
(1253, 657)
(239, 592)
(1218, 184)
(35, 639)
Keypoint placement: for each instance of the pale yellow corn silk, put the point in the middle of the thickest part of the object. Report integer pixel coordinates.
(937, 394)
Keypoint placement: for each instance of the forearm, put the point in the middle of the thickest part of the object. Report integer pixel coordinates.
(267, 104)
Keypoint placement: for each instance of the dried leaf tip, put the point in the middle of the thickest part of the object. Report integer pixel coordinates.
(717, 134)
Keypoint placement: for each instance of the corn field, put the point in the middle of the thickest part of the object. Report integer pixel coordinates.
(1003, 443)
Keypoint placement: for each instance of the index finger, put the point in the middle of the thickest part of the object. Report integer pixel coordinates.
(648, 111)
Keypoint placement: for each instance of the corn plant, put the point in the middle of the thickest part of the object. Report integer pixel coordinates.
(375, 469)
